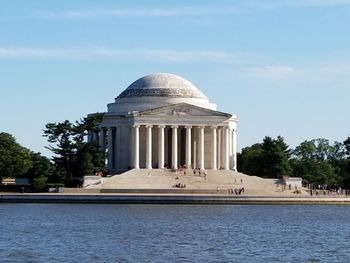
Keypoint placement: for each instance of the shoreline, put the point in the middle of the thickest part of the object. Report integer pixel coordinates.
(132, 198)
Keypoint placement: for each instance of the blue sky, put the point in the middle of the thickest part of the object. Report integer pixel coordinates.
(283, 67)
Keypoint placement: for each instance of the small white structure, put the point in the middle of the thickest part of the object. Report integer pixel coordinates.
(294, 182)
(163, 120)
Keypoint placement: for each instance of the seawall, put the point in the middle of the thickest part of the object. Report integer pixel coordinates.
(167, 199)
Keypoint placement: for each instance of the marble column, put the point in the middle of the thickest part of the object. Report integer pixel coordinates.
(110, 149)
(136, 149)
(226, 147)
(174, 148)
(194, 151)
(188, 147)
(234, 149)
(117, 148)
(102, 144)
(230, 148)
(149, 147)
(213, 148)
(219, 133)
(161, 147)
(102, 139)
(201, 148)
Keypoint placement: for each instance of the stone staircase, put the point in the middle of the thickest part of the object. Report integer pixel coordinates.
(161, 180)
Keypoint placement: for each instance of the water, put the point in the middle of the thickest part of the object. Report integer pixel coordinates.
(174, 233)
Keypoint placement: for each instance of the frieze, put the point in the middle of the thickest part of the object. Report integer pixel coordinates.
(160, 92)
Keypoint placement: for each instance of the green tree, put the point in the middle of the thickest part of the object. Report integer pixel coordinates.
(275, 157)
(14, 159)
(267, 159)
(41, 166)
(347, 145)
(84, 163)
(250, 160)
(73, 156)
(346, 163)
(81, 129)
(39, 183)
(318, 162)
(60, 134)
(313, 171)
(305, 151)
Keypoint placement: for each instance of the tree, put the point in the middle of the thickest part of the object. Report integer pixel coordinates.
(39, 183)
(60, 134)
(347, 157)
(41, 166)
(275, 157)
(73, 156)
(84, 163)
(316, 172)
(250, 160)
(347, 145)
(267, 159)
(305, 151)
(318, 162)
(14, 159)
(81, 129)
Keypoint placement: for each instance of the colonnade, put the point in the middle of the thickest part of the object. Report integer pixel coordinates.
(222, 144)
(225, 145)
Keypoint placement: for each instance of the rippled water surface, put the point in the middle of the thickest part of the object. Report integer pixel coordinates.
(175, 233)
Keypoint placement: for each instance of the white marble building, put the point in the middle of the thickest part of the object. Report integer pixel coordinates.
(163, 120)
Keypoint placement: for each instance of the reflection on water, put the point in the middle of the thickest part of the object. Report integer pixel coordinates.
(170, 233)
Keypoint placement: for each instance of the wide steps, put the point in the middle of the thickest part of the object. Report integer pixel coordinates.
(163, 181)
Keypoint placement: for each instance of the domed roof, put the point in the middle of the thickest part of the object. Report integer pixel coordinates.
(158, 90)
(162, 85)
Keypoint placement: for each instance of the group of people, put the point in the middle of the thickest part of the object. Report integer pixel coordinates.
(337, 191)
(200, 172)
(179, 185)
(194, 170)
(237, 191)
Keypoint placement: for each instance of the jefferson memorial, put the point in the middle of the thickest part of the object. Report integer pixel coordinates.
(164, 121)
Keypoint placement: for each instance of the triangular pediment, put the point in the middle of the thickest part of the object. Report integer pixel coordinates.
(182, 109)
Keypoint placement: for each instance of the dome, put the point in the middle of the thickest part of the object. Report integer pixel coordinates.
(162, 85)
(158, 90)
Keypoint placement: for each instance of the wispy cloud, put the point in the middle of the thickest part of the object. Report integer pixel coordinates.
(151, 12)
(315, 3)
(185, 55)
(95, 52)
(271, 72)
(332, 73)
(276, 4)
(185, 11)
(315, 75)
(244, 65)
(37, 53)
